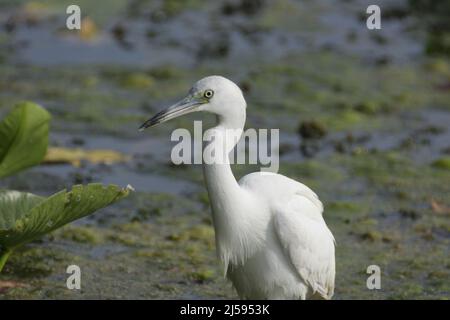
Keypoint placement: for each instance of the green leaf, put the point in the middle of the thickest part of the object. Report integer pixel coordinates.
(14, 205)
(23, 138)
(25, 217)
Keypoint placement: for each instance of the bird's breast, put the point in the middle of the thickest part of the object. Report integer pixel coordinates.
(241, 228)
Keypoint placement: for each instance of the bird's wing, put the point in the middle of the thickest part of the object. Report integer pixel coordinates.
(307, 242)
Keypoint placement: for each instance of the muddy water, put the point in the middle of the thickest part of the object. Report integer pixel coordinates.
(381, 165)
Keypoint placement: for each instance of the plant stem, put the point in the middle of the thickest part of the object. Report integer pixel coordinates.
(4, 255)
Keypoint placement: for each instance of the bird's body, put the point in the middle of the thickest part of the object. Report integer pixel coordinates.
(270, 233)
(273, 241)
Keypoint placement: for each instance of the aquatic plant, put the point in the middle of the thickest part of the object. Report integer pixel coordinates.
(23, 138)
(25, 216)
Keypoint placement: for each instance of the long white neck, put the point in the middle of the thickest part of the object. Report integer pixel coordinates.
(220, 181)
(227, 198)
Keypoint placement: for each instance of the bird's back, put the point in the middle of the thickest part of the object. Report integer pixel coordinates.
(297, 238)
(277, 188)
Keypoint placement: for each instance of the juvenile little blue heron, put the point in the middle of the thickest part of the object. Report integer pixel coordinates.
(270, 233)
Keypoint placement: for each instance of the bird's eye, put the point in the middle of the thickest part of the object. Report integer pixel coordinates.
(208, 94)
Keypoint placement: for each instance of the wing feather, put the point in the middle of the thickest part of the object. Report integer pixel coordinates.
(307, 242)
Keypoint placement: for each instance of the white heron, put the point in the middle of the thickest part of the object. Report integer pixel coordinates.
(270, 233)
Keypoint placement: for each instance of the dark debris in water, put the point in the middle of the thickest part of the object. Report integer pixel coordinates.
(312, 130)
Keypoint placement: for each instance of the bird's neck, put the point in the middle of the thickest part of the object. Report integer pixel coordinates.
(221, 140)
(227, 198)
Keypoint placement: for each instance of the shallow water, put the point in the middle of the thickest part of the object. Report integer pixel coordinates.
(380, 168)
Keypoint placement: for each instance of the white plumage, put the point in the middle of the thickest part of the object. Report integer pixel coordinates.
(270, 233)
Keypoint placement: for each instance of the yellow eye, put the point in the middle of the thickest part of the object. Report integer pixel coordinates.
(208, 94)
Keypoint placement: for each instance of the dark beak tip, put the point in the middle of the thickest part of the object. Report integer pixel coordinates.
(142, 127)
(146, 124)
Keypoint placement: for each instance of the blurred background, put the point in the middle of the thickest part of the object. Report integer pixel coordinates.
(364, 119)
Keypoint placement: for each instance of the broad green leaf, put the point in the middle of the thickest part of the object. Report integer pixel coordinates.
(14, 205)
(23, 138)
(24, 217)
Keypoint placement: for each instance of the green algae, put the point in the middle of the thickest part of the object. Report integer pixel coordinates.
(442, 163)
(165, 237)
(81, 234)
(137, 81)
(157, 245)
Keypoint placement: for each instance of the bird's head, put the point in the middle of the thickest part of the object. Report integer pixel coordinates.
(214, 94)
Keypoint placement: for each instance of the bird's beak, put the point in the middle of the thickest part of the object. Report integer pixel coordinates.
(187, 105)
